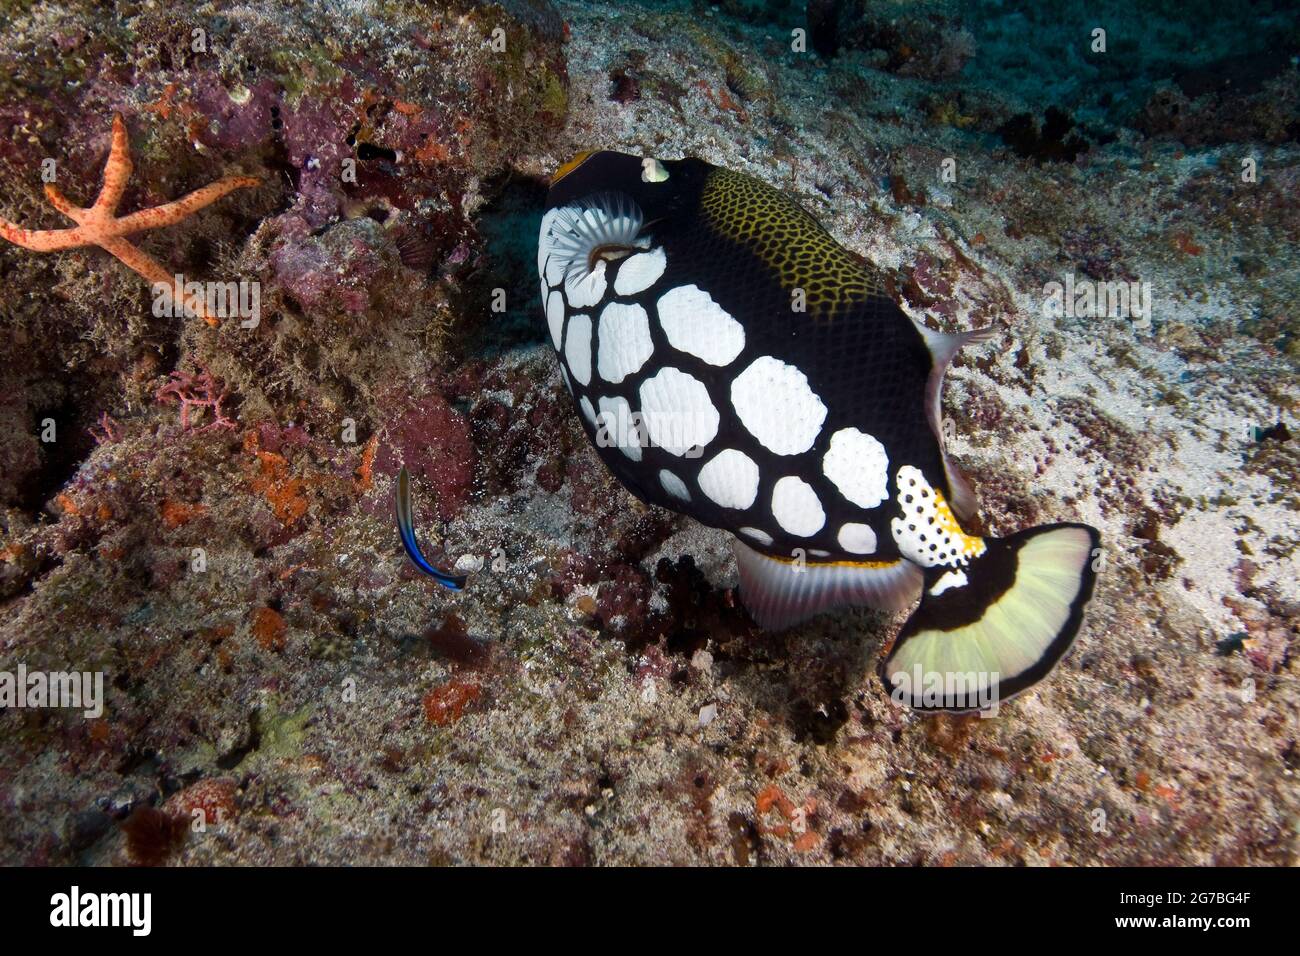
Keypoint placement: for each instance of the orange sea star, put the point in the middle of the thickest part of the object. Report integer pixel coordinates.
(99, 225)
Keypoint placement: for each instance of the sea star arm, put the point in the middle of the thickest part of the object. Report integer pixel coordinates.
(45, 240)
(49, 240)
(55, 197)
(117, 170)
(178, 209)
(148, 267)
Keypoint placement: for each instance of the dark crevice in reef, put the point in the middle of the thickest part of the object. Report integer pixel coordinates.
(59, 459)
(134, 759)
(697, 616)
(1054, 141)
(818, 721)
(369, 151)
(507, 228)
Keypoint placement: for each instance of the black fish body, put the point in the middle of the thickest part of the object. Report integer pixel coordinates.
(732, 362)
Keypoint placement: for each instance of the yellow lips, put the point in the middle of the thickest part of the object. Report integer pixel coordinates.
(571, 165)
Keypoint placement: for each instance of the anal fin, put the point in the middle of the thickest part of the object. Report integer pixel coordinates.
(779, 594)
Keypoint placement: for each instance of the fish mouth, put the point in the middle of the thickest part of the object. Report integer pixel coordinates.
(571, 165)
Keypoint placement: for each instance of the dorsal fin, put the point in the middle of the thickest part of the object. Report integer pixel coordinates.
(943, 347)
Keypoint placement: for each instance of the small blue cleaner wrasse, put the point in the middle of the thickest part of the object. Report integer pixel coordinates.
(406, 528)
(732, 362)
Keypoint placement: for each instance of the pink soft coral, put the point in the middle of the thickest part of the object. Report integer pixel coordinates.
(197, 391)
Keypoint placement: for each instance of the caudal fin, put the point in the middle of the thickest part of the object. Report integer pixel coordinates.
(995, 627)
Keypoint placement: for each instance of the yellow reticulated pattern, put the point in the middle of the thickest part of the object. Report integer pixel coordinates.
(785, 237)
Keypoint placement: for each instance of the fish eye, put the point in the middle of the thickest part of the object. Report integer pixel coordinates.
(653, 171)
(610, 253)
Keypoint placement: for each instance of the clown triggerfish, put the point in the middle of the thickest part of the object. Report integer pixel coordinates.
(732, 362)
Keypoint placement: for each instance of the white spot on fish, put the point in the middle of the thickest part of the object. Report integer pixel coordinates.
(857, 538)
(730, 478)
(620, 427)
(674, 485)
(796, 507)
(624, 341)
(677, 411)
(775, 403)
(586, 291)
(697, 325)
(555, 317)
(554, 271)
(577, 348)
(640, 272)
(857, 464)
